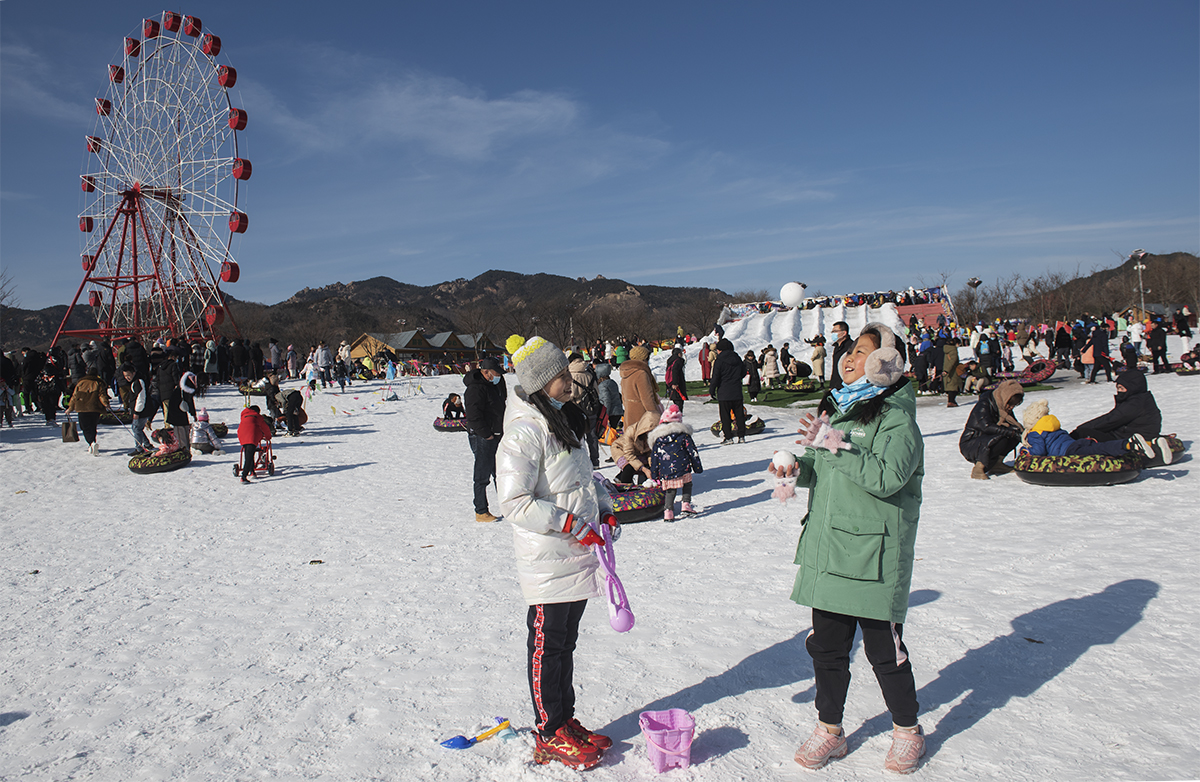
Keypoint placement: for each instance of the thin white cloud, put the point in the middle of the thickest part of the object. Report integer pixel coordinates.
(27, 85)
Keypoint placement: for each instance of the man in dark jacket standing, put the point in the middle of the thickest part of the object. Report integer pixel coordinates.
(484, 402)
(726, 387)
(841, 346)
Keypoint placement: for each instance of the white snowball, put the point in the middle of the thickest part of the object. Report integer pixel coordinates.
(783, 460)
(792, 294)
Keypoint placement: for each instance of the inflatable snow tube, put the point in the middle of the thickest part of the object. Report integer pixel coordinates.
(1188, 371)
(152, 463)
(220, 430)
(1176, 449)
(757, 426)
(1040, 370)
(450, 424)
(803, 385)
(1033, 374)
(635, 503)
(116, 417)
(252, 391)
(1077, 470)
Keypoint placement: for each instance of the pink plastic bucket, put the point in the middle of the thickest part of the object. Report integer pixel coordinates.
(668, 738)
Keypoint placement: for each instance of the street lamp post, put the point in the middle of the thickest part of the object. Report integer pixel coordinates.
(1141, 288)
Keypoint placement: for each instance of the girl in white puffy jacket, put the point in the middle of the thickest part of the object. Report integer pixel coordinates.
(546, 489)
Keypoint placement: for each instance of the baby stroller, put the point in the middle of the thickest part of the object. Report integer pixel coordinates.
(264, 459)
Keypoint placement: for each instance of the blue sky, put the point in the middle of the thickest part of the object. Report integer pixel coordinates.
(851, 146)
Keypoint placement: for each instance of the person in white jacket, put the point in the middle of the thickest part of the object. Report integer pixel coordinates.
(546, 489)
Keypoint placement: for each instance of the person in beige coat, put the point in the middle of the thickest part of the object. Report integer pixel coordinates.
(770, 365)
(818, 360)
(631, 451)
(639, 389)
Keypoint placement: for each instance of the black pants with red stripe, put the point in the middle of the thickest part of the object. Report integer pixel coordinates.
(829, 644)
(553, 631)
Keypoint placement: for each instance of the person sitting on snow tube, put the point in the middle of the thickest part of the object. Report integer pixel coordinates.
(1135, 412)
(991, 431)
(452, 408)
(1046, 438)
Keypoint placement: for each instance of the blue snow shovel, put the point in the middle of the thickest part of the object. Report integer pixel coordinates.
(462, 742)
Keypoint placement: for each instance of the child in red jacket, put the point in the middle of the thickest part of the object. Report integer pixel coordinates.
(252, 430)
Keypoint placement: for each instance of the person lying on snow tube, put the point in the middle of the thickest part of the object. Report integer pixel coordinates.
(1045, 437)
(991, 431)
(1135, 412)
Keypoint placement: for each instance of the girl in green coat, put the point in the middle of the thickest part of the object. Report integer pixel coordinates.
(856, 548)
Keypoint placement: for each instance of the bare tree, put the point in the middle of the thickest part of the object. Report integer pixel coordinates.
(741, 297)
(8, 299)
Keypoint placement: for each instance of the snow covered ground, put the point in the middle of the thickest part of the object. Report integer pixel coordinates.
(176, 627)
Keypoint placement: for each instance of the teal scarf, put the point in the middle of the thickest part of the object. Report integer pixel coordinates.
(860, 389)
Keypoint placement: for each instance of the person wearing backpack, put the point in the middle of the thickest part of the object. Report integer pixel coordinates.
(586, 396)
(675, 381)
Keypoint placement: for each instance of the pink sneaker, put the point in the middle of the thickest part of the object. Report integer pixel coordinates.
(669, 514)
(820, 748)
(907, 749)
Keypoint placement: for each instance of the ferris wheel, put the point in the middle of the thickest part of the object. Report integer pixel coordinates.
(161, 181)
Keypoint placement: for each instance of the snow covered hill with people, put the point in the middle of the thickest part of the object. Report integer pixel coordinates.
(338, 620)
(795, 326)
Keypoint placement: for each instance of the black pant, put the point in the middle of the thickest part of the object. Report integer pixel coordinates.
(485, 468)
(669, 496)
(630, 474)
(1158, 353)
(829, 644)
(737, 409)
(553, 631)
(87, 422)
(1101, 362)
(248, 454)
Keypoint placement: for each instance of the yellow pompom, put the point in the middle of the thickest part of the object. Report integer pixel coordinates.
(514, 343)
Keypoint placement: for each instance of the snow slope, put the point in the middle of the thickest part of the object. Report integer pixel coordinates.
(173, 626)
(794, 326)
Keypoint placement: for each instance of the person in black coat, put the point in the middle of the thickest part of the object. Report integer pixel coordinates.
(1135, 412)
(1098, 342)
(725, 386)
(484, 402)
(992, 431)
(1156, 340)
(841, 346)
(754, 383)
(677, 388)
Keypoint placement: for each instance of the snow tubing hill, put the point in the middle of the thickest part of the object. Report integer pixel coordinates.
(450, 424)
(152, 463)
(758, 427)
(635, 503)
(1077, 470)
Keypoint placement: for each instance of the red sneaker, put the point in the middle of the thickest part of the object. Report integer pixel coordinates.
(595, 739)
(567, 749)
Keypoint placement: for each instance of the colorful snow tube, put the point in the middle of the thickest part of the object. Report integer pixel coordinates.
(116, 417)
(1077, 470)
(756, 427)
(1031, 375)
(1176, 449)
(220, 430)
(1187, 371)
(152, 463)
(252, 391)
(635, 503)
(803, 385)
(450, 424)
